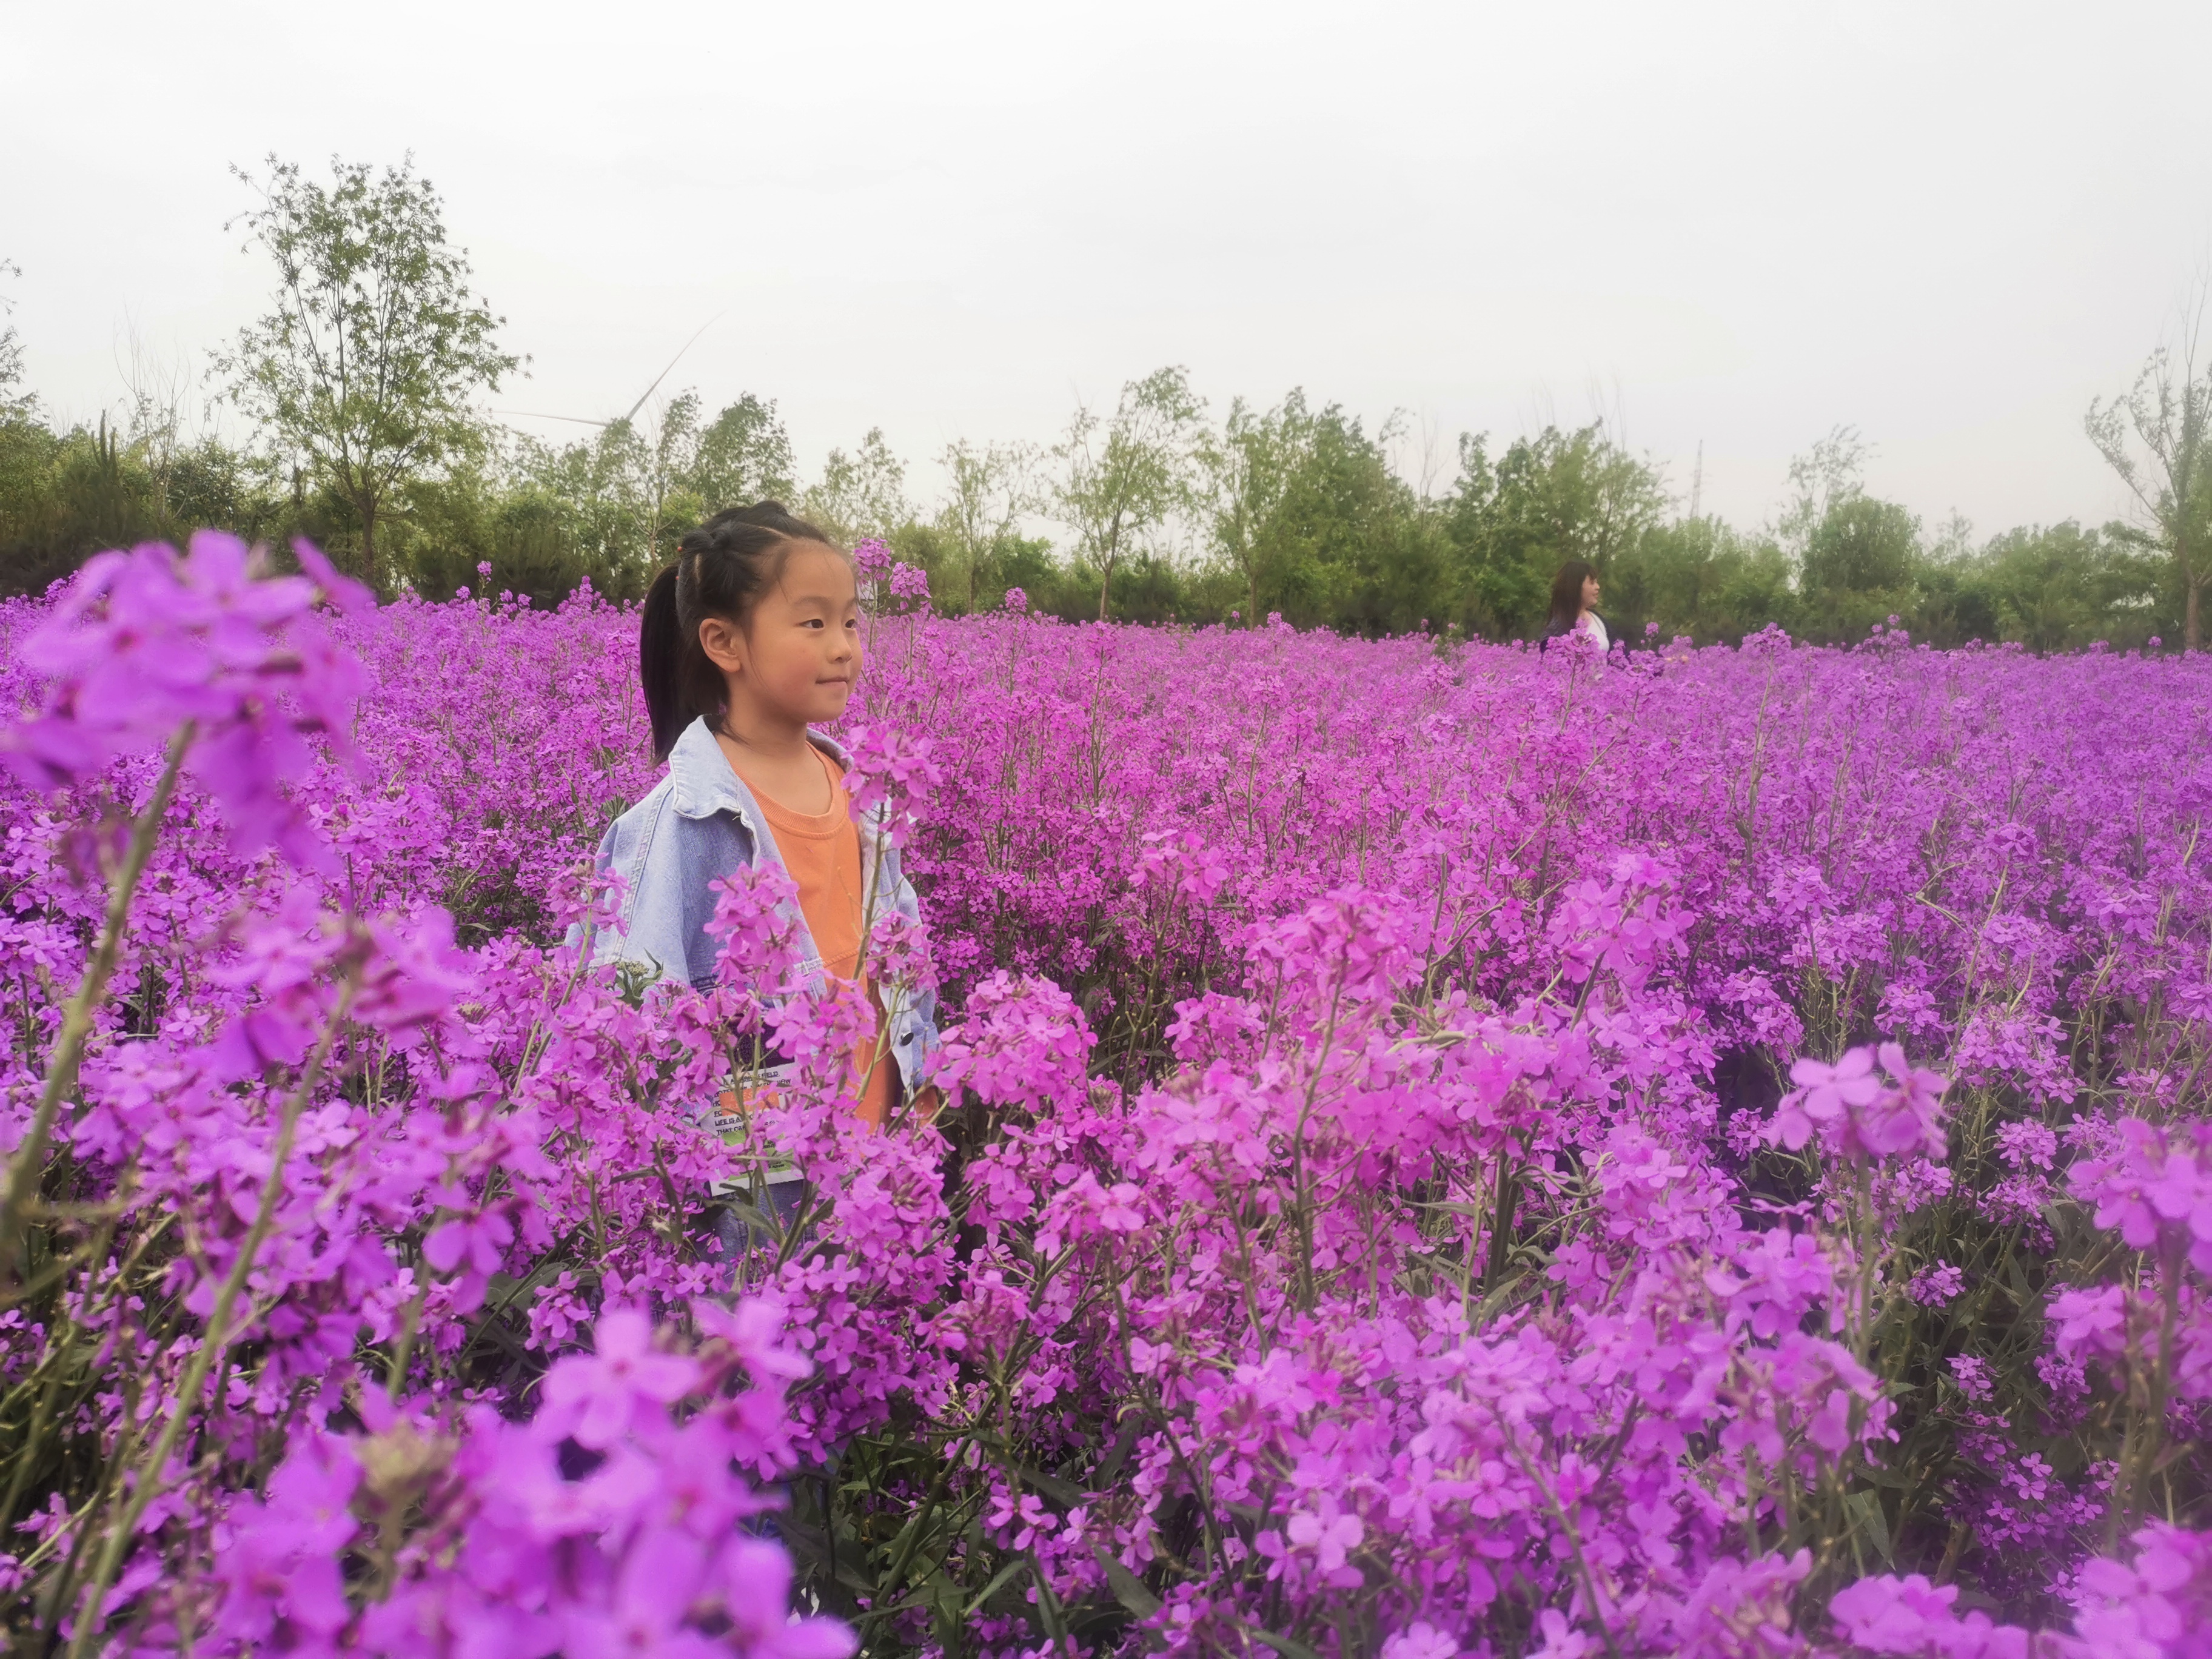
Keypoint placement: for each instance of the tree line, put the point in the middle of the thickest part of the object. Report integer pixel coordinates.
(364, 386)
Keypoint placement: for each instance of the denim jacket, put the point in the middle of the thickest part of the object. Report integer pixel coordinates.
(701, 823)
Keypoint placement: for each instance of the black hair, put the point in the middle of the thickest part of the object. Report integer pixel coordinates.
(1567, 592)
(722, 569)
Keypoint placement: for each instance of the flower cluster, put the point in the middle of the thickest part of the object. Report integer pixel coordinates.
(146, 645)
(2155, 1187)
(1857, 1112)
(495, 1541)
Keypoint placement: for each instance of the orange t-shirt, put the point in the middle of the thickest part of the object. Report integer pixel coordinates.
(821, 851)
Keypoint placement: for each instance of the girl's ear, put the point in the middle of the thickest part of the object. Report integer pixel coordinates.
(724, 643)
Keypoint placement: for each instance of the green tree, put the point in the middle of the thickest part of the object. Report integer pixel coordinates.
(988, 490)
(1821, 480)
(14, 405)
(65, 495)
(863, 494)
(1345, 543)
(1862, 545)
(2061, 588)
(598, 494)
(1126, 477)
(1954, 601)
(743, 456)
(1859, 566)
(1247, 469)
(366, 364)
(629, 486)
(2158, 437)
(622, 498)
(1700, 577)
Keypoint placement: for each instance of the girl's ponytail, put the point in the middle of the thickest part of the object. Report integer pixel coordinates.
(721, 570)
(660, 663)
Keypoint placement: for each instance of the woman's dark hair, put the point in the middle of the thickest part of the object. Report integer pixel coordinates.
(1567, 592)
(721, 570)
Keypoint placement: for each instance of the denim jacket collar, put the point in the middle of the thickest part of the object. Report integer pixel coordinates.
(703, 782)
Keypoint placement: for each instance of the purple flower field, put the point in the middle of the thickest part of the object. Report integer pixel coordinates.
(1444, 1151)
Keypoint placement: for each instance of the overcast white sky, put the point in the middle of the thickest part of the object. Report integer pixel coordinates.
(1950, 225)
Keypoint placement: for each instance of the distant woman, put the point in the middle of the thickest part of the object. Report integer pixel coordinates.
(1574, 606)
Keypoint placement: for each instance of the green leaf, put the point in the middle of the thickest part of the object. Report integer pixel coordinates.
(814, 1545)
(998, 1583)
(1060, 1490)
(1284, 1645)
(1865, 1508)
(1472, 1211)
(1123, 1445)
(1128, 1589)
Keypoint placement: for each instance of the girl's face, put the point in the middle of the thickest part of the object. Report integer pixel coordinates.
(1590, 593)
(801, 658)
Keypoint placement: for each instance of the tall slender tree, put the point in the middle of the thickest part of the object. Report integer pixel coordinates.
(743, 455)
(12, 403)
(366, 366)
(989, 489)
(1124, 475)
(2158, 437)
(862, 494)
(1247, 468)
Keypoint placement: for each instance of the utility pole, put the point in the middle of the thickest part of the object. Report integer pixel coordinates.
(1697, 481)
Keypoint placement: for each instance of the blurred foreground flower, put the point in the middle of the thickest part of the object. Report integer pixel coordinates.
(145, 642)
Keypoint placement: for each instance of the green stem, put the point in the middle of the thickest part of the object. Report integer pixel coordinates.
(1865, 1333)
(395, 1375)
(1501, 1218)
(28, 1168)
(2149, 1436)
(215, 1345)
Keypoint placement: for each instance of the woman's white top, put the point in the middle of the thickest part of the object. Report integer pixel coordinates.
(1593, 625)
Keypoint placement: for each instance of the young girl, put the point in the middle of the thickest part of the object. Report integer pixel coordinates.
(751, 635)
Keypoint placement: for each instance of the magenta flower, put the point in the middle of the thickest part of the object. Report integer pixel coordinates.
(909, 584)
(1859, 1113)
(891, 778)
(278, 1567)
(754, 1580)
(754, 1329)
(2155, 1187)
(2089, 1323)
(1330, 1535)
(477, 1241)
(144, 641)
(1936, 1285)
(758, 926)
(646, 1615)
(602, 1395)
(1910, 1615)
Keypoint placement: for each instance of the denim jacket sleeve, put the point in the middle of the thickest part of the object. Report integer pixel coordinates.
(647, 930)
